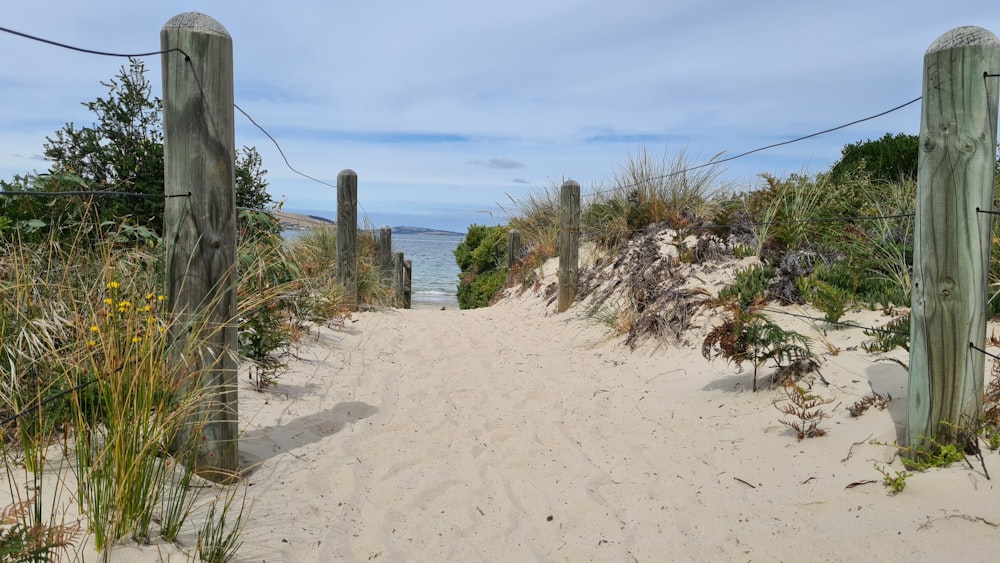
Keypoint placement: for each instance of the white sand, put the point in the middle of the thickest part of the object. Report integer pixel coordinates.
(507, 435)
(515, 434)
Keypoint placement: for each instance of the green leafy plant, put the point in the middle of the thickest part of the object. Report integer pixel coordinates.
(896, 482)
(749, 286)
(747, 335)
(895, 334)
(833, 301)
(931, 453)
(482, 259)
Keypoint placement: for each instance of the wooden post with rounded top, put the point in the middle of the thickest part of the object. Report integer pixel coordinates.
(347, 236)
(385, 254)
(199, 154)
(569, 243)
(952, 239)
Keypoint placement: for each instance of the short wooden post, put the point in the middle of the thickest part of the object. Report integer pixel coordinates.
(407, 284)
(398, 282)
(200, 233)
(513, 253)
(569, 243)
(385, 254)
(347, 236)
(952, 238)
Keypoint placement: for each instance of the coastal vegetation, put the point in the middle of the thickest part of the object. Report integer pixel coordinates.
(838, 241)
(90, 408)
(482, 259)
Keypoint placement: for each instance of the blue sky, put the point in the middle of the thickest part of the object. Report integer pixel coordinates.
(446, 109)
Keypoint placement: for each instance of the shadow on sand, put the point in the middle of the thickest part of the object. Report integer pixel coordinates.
(257, 446)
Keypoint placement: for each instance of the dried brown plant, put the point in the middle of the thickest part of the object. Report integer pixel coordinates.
(807, 410)
(873, 399)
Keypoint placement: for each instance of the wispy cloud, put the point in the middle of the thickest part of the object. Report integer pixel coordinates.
(374, 137)
(502, 163)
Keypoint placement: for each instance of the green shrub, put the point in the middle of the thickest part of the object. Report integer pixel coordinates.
(482, 259)
(266, 275)
(750, 285)
(889, 159)
(747, 335)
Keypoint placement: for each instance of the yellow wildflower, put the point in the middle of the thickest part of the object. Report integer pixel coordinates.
(113, 285)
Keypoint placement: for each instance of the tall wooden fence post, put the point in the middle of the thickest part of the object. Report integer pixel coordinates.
(407, 284)
(385, 254)
(347, 236)
(199, 152)
(952, 238)
(569, 243)
(513, 253)
(398, 279)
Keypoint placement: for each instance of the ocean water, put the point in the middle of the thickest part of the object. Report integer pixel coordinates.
(435, 273)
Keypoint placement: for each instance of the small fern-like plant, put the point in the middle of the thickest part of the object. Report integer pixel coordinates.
(806, 410)
(747, 335)
(895, 334)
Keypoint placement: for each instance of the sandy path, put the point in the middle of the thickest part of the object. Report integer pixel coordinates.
(504, 435)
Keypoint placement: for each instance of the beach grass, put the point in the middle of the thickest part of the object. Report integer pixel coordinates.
(91, 402)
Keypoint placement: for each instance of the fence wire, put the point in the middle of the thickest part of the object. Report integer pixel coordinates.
(95, 193)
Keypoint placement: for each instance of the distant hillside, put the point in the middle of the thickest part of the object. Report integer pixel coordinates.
(298, 221)
(301, 221)
(421, 231)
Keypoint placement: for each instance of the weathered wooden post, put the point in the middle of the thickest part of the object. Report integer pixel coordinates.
(398, 281)
(385, 254)
(407, 284)
(199, 154)
(513, 253)
(347, 236)
(569, 243)
(952, 239)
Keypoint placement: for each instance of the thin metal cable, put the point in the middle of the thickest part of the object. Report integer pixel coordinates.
(852, 325)
(743, 154)
(977, 348)
(88, 51)
(100, 193)
(281, 152)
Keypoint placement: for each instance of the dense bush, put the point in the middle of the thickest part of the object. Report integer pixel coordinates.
(121, 152)
(482, 259)
(890, 159)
